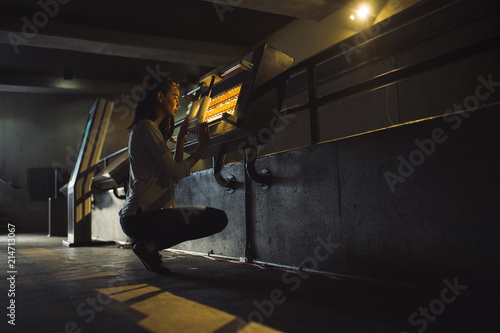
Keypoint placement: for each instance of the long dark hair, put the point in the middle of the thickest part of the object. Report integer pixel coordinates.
(146, 107)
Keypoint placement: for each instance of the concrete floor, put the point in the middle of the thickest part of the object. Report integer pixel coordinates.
(106, 289)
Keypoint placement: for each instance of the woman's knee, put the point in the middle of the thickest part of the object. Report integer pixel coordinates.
(218, 218)
(224, 219)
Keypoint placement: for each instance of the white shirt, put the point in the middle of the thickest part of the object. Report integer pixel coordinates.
(153, 170)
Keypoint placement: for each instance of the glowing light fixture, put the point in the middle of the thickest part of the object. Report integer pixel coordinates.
(363, 12)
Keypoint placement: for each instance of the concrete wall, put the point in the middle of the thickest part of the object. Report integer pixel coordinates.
(105, 220)
(43, 130)
(201, 189)
(437, 220)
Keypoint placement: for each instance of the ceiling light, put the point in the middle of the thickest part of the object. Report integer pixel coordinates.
(363, 12)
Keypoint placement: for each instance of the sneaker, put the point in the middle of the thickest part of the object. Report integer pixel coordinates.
(151, 260)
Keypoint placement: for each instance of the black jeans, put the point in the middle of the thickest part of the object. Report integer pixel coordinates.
(168, 227)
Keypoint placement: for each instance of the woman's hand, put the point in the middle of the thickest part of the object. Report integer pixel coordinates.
(203, 142)
(181, 138)
(183, 130)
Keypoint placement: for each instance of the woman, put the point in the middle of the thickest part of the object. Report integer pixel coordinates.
(149, 216)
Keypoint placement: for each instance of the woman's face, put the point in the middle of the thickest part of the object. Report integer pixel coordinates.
(170, 103)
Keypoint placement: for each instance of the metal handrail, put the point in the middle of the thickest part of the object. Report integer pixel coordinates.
(8, 182)
(399, 21)
(309, 66)
(116, 153)
(402, 73)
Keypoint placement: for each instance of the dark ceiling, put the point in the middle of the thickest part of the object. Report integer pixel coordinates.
(106, 43)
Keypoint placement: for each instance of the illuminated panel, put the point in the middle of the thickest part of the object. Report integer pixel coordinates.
(224, 102)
